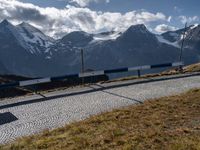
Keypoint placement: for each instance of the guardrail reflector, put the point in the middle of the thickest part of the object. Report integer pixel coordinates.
(177, 64)
(36, 81)
(139, 68)
(93, 73)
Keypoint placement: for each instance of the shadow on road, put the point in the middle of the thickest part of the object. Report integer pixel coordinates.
(101, 88)
(114, 94)
(7, 118)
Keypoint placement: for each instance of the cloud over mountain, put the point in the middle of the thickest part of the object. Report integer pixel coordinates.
(84, 3)
(57, 22)
(189, 20)
(164, 28)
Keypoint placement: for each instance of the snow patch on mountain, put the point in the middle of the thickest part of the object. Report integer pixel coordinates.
(162, 40)
(194, 26)
(106, 36)
(34, 38)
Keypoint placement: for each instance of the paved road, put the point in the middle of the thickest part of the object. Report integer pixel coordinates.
(35, 113)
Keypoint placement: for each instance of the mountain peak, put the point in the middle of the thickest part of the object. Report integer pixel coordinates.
(5, 22)
(28, 26)
(138, 27)
(78, 38)
(5, 26)
(34, 36)
(135, 30)
(137, 33)
(24, 24)
(31, 29)
(81, 34)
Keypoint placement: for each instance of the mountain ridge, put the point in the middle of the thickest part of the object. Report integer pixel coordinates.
(31, 53)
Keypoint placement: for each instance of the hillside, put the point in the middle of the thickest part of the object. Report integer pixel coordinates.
(168, 123)
(192, 68)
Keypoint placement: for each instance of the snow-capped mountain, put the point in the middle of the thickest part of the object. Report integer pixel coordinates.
(16, 56)
(193, 38)
(191, 44)
(8, 29)
(192, 34)
(29, 37)
(36, 41)
(26, 51)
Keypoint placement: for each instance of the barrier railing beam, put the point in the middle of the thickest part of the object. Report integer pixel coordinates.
(88, 74)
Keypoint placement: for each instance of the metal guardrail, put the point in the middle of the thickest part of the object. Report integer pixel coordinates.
(88, 74)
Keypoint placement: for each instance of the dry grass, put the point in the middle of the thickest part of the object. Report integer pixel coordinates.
(192, 68)
(169, 123)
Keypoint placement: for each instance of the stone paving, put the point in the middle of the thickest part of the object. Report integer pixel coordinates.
(36, 114)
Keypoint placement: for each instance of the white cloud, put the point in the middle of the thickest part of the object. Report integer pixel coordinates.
(58, 22)
(189, 20)
(84, 3)
(169, 19)
(177, 9)
(164, 28)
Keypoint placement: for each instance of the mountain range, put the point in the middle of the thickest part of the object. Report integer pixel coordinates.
(26, 51)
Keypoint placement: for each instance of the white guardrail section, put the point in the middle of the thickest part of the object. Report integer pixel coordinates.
(36, 81)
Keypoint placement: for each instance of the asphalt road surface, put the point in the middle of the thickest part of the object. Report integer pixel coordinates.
(35, 113)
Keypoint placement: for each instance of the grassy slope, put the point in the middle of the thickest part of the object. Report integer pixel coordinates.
(192, 68)
(167, 123)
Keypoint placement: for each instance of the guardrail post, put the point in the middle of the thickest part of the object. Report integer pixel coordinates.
(139, 73)
(180, 69)
(82, 66)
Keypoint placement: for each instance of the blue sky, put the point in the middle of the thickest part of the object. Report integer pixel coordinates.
(184, 7)
(101, 15)
(191, 7)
